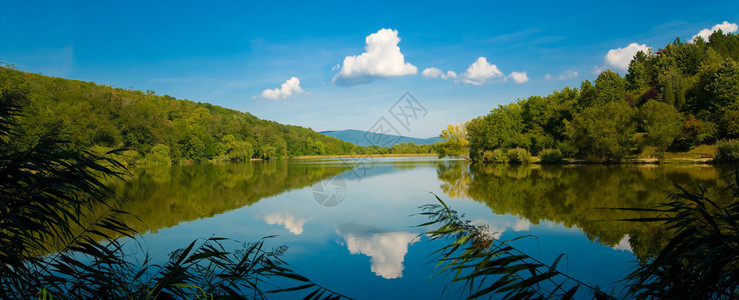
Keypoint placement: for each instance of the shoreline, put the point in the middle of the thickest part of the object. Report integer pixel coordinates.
(365, 155)
(636, 161)
(566, 161)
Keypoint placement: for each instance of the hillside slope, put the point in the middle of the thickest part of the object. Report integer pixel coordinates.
(682, 96)
(98, 115)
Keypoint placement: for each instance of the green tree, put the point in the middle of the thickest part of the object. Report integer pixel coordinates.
(455, 142)
(195, 148)
(268, 152)
(604, 133)
(159, 155)
(241, 151)
(673, 87)
(724, 87)
(609, 87)
(637, 79)
(318, 148)
(227, 143)
(503, 127)
(662, 123)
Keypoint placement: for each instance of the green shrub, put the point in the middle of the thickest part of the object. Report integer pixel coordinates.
(496, 156)
(550, 156)
(727, 151)
(159, 155)
(519, 156)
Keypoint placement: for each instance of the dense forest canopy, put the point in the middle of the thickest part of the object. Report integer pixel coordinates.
(162, 129)
(679, 97)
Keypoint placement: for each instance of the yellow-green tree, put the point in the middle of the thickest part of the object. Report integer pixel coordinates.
(455, 141)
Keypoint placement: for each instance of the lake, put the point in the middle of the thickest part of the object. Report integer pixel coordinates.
(350, 224)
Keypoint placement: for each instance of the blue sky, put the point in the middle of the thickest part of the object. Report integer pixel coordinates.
(232, 53)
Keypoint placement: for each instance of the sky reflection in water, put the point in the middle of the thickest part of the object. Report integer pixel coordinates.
(367, 245)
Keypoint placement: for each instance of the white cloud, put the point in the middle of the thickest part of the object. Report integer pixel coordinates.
(726, 27)
(382, 58)
(521, 225)
(519, 77)
(569, 74)
(290, 87)
(624, 244)
(432, 73)
(480, 71)
(436, 73)
(620, 58)
(287, 220)
(386, 250)
(597, 69)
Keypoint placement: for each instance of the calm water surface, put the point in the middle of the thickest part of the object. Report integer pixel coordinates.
(356, 234)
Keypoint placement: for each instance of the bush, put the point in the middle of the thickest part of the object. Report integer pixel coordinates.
(727, 151)
(159, 155)
(550, 156)
(496, 156)
(519, 156)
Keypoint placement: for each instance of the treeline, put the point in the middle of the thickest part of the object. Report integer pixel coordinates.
(679, 97)
(160, 129)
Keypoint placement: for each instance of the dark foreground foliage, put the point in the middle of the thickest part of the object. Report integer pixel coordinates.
(49, 190)
(701, 260)
(486, 266)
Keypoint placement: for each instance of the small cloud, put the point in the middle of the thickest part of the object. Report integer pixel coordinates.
(620, 58)
(569, 74)
(624, 244)
(519, 77)
(436, 73)
(289, 88)
(480, 71)
(382, 58)
(725, 27)
(522, 225)
(432, 73)
(287, 220)
(597, 69)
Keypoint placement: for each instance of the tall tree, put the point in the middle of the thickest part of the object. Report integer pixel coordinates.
(609, 87)
(604, 133)
(662, 123)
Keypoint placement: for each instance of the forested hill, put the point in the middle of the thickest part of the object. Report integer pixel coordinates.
(676, 98)
(159, 128)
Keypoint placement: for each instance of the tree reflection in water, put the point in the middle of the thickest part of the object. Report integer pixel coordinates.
(575, 195)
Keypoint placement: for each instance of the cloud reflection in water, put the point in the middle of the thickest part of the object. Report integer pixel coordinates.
(294, 225)
(386, 249)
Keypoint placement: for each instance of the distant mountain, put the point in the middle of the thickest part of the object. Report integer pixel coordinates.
(366, 138)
